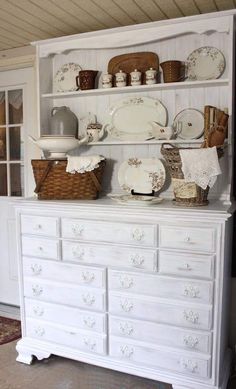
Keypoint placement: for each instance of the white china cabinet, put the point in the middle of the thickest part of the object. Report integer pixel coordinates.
(142, 290)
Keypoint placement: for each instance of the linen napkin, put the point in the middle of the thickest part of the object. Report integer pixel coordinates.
(82, 164)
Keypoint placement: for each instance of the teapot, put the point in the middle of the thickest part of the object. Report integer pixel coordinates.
(161, 132)
(63, 122)
(95, 132)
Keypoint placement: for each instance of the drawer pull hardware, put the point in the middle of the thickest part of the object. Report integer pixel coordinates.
(137, 260)
(187, 239)
(36, 269)
(37, 227)
(40, 248)
(88, 299)
(126, 351)
(37, 290)
(77, 230)
(191, 316)
(89, 321)
(138, 234)
(189, 365)
(191, 291)
(185, 267)
(90, 344)
(190, 341)
(39, 331)
(38, 311)
(77, 253)
(126, 282)
(126, 305)
(126, 328)
(88, 277)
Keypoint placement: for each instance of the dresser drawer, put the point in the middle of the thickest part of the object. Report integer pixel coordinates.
(160, 334)
(40, 247)
(138, 234)
(186, 265)
(40, 225)
(155, 285)
(147, 308)
(62, 293)
(67, 335)
(65, 272)
(147, 355)
(61, 314)
(125, 257)
(188, 238)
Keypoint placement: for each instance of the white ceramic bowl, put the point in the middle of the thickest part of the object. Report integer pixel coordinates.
(57, 146)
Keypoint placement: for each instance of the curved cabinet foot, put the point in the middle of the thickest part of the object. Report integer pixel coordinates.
(26, 352)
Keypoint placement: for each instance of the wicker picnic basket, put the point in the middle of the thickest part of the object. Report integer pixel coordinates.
(54, 183)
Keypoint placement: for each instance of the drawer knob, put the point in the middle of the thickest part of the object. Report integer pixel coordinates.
(38, 311)
(78, 253)
(185, 267)
(126, 351)
(126, 328)
(126, 282)
(192, 317)
(138, 234)
(89, 322)
(36, 269)
(190, 341)
(77, 229)
(89, 343)
(40, 249)
(39, 331)
(37, 290)
(126, 305)
(37, 227)
(88, 277)
(189, 365)
(137, 260)
(191, 291)
(187, 239)
(88, 299)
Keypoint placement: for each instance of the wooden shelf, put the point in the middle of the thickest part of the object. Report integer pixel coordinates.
(147, 142)
(140, 88)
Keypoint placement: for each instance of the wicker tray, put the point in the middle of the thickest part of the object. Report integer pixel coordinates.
(54, 183)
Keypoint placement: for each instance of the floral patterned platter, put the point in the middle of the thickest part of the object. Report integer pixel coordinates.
(130, 118)
(65, 78)
(205, 63)
(136, 199)
(189, 123)
(142, 175)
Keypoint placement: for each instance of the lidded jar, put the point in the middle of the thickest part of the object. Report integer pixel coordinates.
(151, 76)
(135, 77)
(121, 78)
(63, 122)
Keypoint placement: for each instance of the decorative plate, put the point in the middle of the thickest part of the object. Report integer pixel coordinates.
(65, 78)
(130, 118)
(142, 175)
(189, 124)
(136, 199)
(205, 63)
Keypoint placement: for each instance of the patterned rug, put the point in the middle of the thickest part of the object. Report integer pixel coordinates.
(9, 330)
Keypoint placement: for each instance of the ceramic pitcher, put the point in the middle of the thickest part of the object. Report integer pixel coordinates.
(63, 122)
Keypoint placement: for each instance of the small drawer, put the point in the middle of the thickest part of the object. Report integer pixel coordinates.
(40, 247)
(62, 293)
(186, 265)
(68, 336)
(86, 320)
(106, 255)
(134, 352)
(114, 232)
(160, 334)
(65, 272)
(147, 308)
(158, 286)
(188, 238)
(40, 225)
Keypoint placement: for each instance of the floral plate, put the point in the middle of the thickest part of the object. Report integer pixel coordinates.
(65, 78)
(205, 63)
(142, 175)
(136, 199)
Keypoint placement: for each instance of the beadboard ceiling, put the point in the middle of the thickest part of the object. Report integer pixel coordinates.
(23, 21)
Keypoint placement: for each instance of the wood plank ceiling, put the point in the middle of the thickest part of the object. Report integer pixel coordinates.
(23, 21)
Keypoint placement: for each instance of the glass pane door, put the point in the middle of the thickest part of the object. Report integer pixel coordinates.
(11, 142)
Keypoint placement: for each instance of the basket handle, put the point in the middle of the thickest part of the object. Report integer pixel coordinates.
(95, 180)
(43, 177)
(169, 145)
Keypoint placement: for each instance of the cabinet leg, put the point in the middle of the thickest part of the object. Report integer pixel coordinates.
(26, 353)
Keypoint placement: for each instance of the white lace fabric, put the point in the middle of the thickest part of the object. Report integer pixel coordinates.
(82, 164)
(200, 166)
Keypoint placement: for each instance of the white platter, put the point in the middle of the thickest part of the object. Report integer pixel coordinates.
(205, 63)
(129, 118)
(142, 175)
(146, 201)
(189, 124)
(65, 78)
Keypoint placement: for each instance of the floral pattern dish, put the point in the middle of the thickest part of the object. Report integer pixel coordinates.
(136, 199)
(142, 175)
(189, 124)
(65, 78)
(205, 63)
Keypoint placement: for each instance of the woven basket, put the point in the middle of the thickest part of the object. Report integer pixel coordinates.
(172, 71)
(186, 193)
(54, 183)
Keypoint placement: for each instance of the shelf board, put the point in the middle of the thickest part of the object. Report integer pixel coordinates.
(147, 142)
(140, 88)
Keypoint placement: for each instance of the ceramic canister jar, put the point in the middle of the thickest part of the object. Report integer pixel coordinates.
(107, 80)
(86, 79)
(120, 78)
(135, 77)
(151, 76)
(63, 122)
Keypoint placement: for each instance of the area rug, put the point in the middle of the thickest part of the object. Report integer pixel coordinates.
(9, 330)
